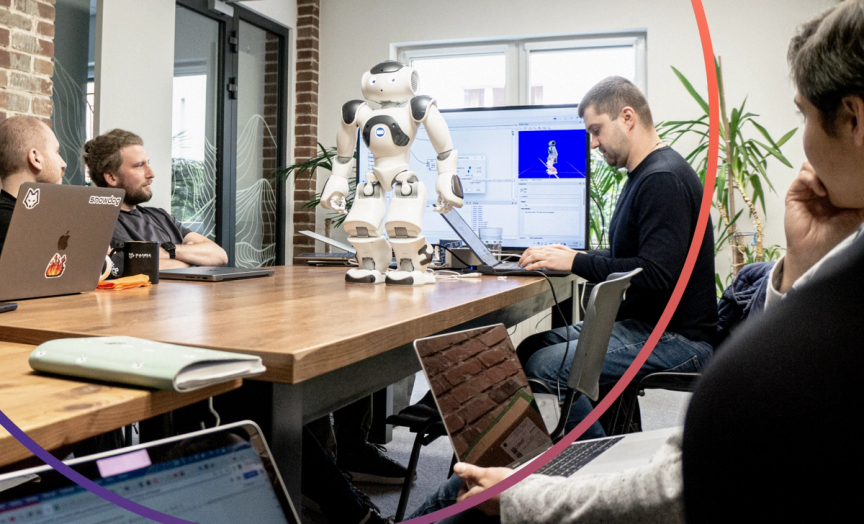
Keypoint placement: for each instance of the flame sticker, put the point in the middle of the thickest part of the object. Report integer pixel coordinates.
(56, 267)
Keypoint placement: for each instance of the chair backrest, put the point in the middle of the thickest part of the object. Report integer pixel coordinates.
(593, 341)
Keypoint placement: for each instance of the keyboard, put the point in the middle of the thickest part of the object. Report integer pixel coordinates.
(576, 456)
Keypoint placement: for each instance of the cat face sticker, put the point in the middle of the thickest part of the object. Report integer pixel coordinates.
(56, 267)
(31, 199)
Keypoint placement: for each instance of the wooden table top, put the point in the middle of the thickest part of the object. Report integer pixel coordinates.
(303, 321)
(56, 411)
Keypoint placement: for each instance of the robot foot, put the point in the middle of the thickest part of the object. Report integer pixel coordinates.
(409, 278)
(364, 276)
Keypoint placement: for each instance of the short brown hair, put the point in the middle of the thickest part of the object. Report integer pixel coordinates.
(18, 135)
(827, 59)
(102, 154)
(613, 94)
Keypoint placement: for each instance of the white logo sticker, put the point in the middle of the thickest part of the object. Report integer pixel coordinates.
(104, 200)
(379, 132)
(31, 199)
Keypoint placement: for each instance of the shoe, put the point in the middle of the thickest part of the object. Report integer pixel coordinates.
(373, 516)
(373, 465)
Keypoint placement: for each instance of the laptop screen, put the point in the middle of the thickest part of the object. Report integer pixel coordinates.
(463, 229)
(221, 477)
(483, 396)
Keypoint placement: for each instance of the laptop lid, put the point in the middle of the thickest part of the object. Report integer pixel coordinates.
(57, 240)
(219, 475)
(214, 274)
(470, 237)
(483, 395)
(328, 240)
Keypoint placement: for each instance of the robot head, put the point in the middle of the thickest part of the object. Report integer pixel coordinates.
(389, 81)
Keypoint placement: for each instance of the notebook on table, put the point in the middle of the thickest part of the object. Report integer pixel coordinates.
(491, 415)
(220, 475)
(490, 265)
(57, 240)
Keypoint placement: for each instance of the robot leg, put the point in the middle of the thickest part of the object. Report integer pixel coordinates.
(363, 225)
(404, 223)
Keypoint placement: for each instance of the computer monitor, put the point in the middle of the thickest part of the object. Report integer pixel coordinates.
(524, 169)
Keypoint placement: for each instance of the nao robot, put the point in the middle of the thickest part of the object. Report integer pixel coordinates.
(389, 133)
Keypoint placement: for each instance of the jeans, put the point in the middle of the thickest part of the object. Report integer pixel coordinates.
(445, 496)
(541, 356)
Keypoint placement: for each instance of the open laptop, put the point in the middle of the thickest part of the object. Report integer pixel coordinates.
(347, 258)
(57, 240)
(214, 274)
(490, 265)
(219, 475)
(492, 417)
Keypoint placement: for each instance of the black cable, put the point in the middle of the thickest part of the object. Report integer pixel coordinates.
(563, 319)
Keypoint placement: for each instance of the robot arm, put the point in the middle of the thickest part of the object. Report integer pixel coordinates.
(448, 186)
(336, 188)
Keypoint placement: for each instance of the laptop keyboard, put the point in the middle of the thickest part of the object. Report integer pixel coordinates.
(576, 456)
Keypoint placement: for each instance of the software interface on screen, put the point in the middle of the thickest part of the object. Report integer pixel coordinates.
(522, 169)
(225, 485)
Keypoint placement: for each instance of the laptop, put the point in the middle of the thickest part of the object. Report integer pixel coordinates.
(214, 274)
(492, 417)
(219, 475)
(490, 265)
(57, 240)
(348, 258)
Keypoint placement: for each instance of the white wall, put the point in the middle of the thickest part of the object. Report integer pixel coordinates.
(134, 79)
(750, 36)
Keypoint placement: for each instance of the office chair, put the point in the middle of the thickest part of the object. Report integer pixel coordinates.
(590, 351)
(668, 380)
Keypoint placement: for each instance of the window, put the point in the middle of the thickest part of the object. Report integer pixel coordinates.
(530, 71)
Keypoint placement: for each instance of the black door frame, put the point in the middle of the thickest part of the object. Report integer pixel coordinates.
(226, 122)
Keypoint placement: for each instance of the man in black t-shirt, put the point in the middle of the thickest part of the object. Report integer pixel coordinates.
(652, 227)
(29, 152)
(117, 159)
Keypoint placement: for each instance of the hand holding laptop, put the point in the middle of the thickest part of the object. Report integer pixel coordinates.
(480, 479)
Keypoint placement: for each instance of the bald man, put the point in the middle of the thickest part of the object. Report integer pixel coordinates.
(29, 152)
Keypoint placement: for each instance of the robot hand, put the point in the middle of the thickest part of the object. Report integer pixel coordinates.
(449, 189)
(333, 194)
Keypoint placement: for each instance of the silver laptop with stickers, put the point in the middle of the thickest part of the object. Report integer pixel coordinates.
(57, 240)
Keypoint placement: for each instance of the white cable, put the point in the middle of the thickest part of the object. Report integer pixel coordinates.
(212, 410)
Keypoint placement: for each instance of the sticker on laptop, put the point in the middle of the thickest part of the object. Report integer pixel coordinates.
(31, 199)
(104, 200)
(56, 267)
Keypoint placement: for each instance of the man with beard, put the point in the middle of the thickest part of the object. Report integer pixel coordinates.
(117, 159)
(652, 227)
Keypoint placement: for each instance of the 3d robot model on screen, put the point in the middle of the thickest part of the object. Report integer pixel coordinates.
(389, 132)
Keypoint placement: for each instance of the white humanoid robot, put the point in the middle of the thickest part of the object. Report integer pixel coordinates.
(389, 133)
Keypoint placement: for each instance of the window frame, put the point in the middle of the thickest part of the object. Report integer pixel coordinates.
(517, 53)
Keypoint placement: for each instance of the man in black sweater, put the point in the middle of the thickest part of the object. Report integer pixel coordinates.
(652, 227)
(775, 425)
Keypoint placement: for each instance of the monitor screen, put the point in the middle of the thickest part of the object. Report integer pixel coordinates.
(523, 169)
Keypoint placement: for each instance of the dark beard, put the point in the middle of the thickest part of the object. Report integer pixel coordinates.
(138, 197)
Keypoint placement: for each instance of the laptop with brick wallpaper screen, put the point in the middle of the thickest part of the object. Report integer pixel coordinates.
(493, 419)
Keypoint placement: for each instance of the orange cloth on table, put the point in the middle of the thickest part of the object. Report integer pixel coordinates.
(126, 282)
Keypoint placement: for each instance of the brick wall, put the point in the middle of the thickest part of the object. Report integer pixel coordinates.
(473, 378)
(26, 52)
(306, 117)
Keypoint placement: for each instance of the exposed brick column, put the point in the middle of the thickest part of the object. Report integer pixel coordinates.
(26, 50)
(306, 117)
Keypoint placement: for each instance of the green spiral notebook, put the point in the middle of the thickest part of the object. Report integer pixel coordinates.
(139, 362)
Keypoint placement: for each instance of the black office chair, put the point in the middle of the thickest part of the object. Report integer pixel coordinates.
(668, 380)
(590, 351)
(423, 419)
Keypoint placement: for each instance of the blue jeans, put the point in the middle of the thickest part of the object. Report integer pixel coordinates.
(541, 356)
(445, 496)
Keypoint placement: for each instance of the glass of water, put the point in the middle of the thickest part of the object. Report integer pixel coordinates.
(491, 237)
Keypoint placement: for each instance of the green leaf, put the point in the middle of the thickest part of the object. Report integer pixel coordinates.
(785, 138)
(689, 87)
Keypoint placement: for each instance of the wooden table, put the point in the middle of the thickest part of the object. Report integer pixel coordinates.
(325, 343)
(56, 411)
